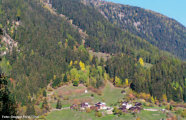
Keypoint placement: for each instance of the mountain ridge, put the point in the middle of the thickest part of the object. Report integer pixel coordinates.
(163, 32)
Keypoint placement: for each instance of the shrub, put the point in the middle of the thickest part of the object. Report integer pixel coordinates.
(137, 118)
(50, 89)
(45, 104)
(183, 113)
(59, 105)
(134, 114)
(148, 104)
(88, 110)
(179, 111)
(144, 104)
(44, 93)
(66, 98)
(117, 111)
(56, 82)
(169, 107)
(98, 114)
(92, 95)
(99, 92)
(75, 83)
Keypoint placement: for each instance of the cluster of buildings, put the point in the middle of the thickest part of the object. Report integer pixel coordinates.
(125, 107)
(84, 105)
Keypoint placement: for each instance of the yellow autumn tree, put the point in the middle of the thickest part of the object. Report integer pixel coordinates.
(141, 62)
(1, 26)
(12, 29)
(66, 43)
(60, 43)
(54, 77)
(117, 81)
(32, 52)
(106, 76)
(127, 82)
(152, 100)
(74, 75)
(18, 12)
(144, 96)
(71, 62)
(8, 63)
(82, 65)
(164, 98)
(76, 62)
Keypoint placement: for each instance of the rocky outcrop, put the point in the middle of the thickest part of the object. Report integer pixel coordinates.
(8, 43)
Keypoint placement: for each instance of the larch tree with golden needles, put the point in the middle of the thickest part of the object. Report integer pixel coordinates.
(126, 82)
(141, 62)
(82, 65)
(71, 63)
(117, 81)
(164, 98)
(152, 100)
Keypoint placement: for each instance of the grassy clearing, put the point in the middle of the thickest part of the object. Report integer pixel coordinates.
(77, 115)
(155, 107)
(110, 95)
(151, 115)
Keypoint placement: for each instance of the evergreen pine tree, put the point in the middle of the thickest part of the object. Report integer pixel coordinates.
(56, 82)
(184, 95)
(65, 78)
(45, 104)
(7, 102)
(44, 93)
(59, 105)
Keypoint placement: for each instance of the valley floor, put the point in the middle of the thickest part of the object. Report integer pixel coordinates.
(110, 95)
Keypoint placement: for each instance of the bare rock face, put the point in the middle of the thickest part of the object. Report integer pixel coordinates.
(8, 43)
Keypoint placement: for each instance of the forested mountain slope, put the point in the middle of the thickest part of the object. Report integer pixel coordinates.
(163, 32)
(50, 50)
(105, 37)
(45, 42)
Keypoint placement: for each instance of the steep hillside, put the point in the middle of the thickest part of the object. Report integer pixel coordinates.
(163, 32)
(51, 51)
(45, 42)
(103, 36)
(128, 49)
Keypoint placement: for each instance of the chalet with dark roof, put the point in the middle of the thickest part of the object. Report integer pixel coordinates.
(84, 105)
(135, 109)
(123, 108)
(101, 105)
(138, 104)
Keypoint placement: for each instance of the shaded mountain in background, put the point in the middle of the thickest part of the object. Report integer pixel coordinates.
(103, 35)
(165, 33)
